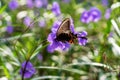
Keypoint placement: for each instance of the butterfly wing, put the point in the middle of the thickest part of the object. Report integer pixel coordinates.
(64, 27)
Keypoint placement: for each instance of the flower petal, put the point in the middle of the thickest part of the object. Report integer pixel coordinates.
(28, 68)
(56, 8)
(82, 41)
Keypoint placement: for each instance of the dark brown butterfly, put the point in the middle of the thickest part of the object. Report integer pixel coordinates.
(64, 33)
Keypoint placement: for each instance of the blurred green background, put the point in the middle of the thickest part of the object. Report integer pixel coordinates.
(25, 24)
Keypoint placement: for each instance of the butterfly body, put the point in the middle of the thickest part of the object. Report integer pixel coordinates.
(69, 37)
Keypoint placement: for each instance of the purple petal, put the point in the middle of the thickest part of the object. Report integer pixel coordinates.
(51, 37)
(27, 21)
(56, 26)
(40, 57)
(27, 75)
(104, 2)
(42, 23)
(13, 4)
(107, 13)
(29, 64)
(30, 3)
(66, 1)
(72, 26)
(85, 17)
(9, 29)
(29, 69)
(56, 8)
(52, 46)
(82, 41)
(44, 3)
(95, 13)
(66, 46)
(38, 3)
(82, 34)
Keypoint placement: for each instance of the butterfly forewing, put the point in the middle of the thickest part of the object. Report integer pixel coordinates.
(64, 27)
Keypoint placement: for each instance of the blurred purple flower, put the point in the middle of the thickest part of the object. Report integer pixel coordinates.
(93, 15)
(44, 3)
(27, 70)
(27, 21)
(42, 23)
(13, 4)
(82, 40)
(56, 8)
(30, 3)
(104, 2)
(85, 17)
(110, 35)
(66, 1)
(54, 44)
(107, 13)
(38, 3)
(40, 57)
(9, 29)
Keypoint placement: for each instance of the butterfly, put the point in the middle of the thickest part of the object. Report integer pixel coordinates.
(64, 32)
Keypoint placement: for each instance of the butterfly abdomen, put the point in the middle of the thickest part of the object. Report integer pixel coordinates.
(63, 37)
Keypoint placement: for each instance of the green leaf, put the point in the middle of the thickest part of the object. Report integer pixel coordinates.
(3, 8)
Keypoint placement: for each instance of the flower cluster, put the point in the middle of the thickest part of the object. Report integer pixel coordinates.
(56, 9)
(36, 3)
(93, 15)
(27, 70)
(13, 4)
(56, 45)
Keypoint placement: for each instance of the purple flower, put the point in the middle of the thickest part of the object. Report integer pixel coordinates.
(30, 3)
(93, 15)
(104, 2)
(85, 17)
(40, 57)
(55, 45)
(9, 29)
(38, 3)
(66, 1)
(42, 23)
(27, 21)
(107, 13)
(82, 40)
(13, 4)
(27, 70)
(56, 8)
(44, 3)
